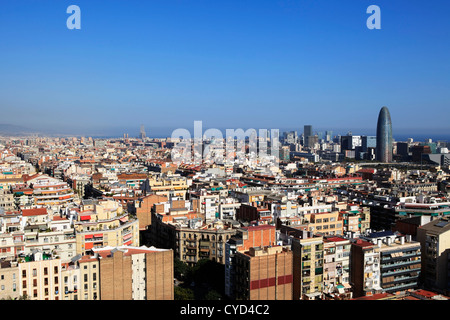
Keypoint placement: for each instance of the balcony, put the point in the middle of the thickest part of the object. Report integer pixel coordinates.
(401, 271)
(400, 264)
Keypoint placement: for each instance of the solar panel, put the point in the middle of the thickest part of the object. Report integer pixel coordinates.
(441, 224)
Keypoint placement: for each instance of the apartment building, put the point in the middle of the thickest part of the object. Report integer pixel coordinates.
(355, 219)
(55, 239)
(7, 200)
(336, 268)
(188, 235)
(104, 223)
(40, 279)
(143, 209)
(169, 186)
(135, 273)
(434, 238)
(244, 239)
(90, 277)
(325, 223)
(11, 244)
(9, 280)
(48, 191)
(264, 273)
(206, 203)
(365, 268)
(308, 250)
(250, 213)
(400, 264)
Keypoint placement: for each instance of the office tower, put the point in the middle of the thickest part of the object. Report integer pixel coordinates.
(290, 137)
(384, 136)
(368, 142)
(307, 132)
(311, 141)
(419, 151)
(350, 142)
(403, 149)
(142, 134)
(328, 136)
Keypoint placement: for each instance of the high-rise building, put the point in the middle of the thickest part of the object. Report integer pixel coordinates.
(384, 136)
(307, 131)
(142, 134)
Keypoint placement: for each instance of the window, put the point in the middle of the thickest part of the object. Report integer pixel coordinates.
(45, 271)
(56, 269)
(94, 276)
(85, 278)
(34, 272)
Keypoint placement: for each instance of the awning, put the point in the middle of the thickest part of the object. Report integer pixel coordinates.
(88, 245)
(83, 218)
(128, 243)
(128, 236)
(98, 235)
(124, 219)
(88, 236)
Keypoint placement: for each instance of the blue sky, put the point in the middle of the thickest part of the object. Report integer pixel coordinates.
(277, 64)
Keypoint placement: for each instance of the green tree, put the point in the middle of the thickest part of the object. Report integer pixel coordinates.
(181, 293)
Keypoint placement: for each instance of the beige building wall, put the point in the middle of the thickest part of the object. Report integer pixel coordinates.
(41, 280)
(160, 275)
(9, 281)
(89, 279)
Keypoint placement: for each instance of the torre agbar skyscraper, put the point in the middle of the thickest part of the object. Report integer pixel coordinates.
(384, 136)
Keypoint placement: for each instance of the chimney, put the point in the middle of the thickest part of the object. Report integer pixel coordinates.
(379, 242)
(402, 240)
(408, 238)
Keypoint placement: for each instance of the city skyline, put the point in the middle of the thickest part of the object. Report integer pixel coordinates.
(232, 65)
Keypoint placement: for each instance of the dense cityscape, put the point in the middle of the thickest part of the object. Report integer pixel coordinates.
(334, 217)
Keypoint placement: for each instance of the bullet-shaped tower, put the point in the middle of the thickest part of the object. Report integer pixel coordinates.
(384, 136)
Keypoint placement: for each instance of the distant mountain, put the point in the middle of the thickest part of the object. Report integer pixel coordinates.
(15, 130)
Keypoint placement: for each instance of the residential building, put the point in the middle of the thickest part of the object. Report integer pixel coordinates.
(365, 268)
(135, 273)
(264, 273)
(308, 250)
(434, 238)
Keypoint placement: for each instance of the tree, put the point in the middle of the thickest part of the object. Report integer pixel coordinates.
(181, 293)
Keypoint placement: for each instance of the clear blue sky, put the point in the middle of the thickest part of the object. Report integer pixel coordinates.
(232, 64)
